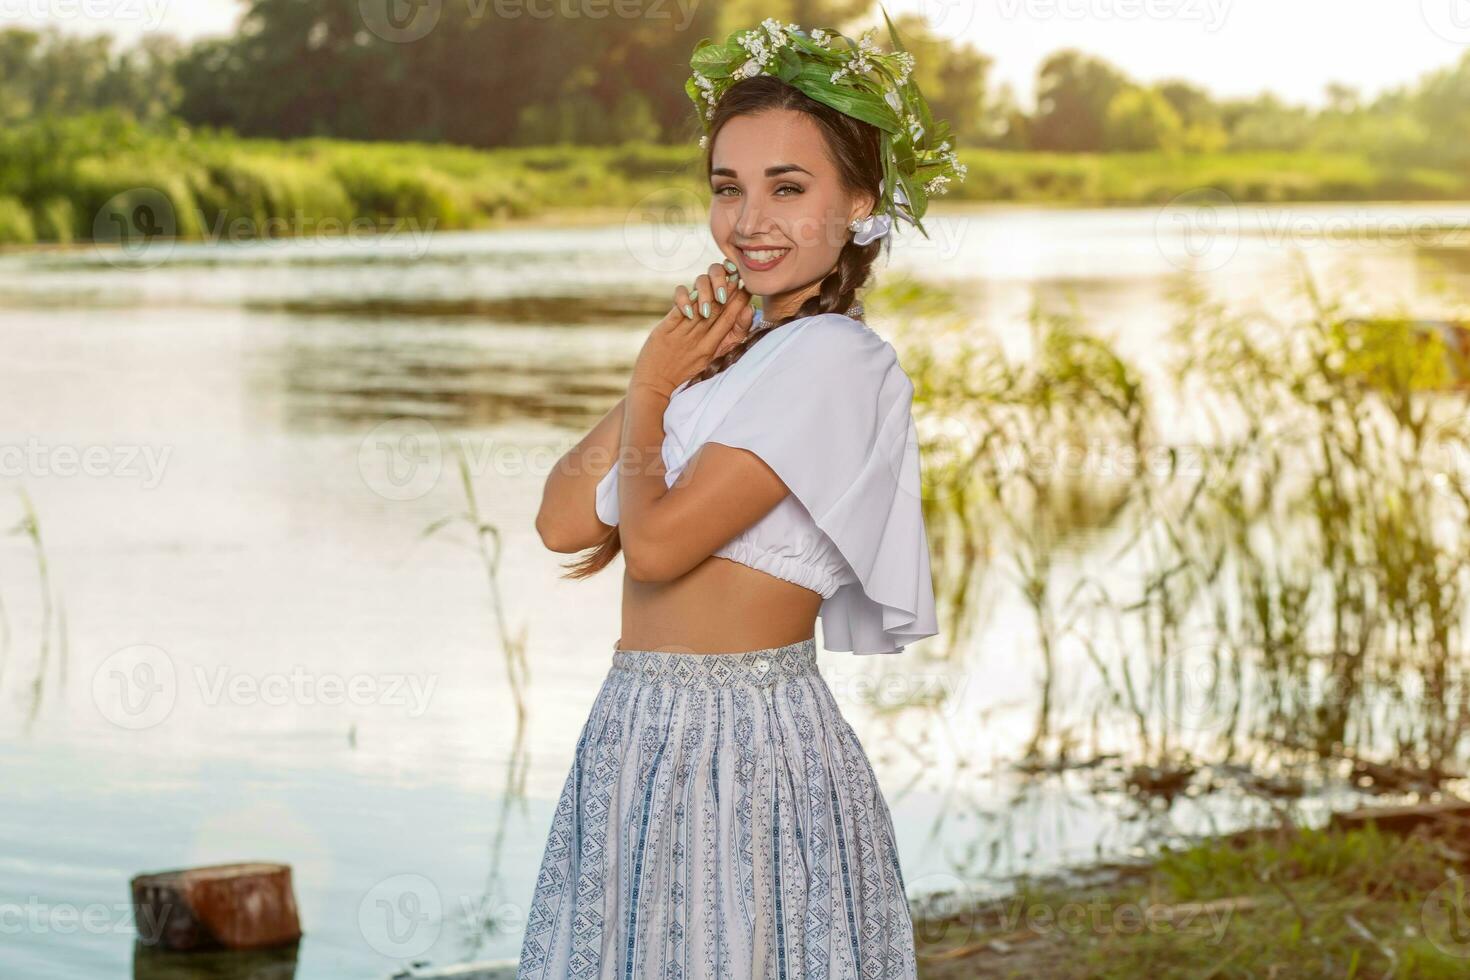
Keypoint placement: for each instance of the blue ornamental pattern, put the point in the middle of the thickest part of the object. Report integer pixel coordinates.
(720, 821)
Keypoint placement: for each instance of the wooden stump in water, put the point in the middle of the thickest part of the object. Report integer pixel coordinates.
(222, 906)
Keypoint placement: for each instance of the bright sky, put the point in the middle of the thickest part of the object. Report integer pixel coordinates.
(1231, 47)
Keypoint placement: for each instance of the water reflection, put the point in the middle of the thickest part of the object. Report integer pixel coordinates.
(272, 964)
(1082, 701)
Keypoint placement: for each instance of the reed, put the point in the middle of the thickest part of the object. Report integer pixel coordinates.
(488, 546)
(1281, 577)
(53, 617)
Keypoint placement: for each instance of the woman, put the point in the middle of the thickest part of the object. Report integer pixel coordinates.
(720, 818)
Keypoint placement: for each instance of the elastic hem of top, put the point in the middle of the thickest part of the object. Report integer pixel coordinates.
(784, 567)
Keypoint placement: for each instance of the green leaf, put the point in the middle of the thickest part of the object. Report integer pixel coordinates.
(925, 116)
(789, 64)
(815, 81)
(888, 176)
(904, 151)
(892, 31)
(716, 60)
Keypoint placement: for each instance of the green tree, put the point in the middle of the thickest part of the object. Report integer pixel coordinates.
(1266, 123)
(1142, 119)
(1074, 91)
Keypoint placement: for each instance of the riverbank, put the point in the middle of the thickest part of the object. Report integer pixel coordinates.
(101, 177)
(1361, 897)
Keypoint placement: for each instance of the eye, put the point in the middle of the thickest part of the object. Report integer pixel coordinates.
(720, 191)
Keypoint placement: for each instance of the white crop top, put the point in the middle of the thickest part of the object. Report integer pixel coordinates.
(825, 403)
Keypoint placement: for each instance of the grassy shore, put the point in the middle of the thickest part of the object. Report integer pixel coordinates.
(1283, 903)
(93, 177)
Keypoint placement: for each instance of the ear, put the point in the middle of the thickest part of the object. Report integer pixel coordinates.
(862, 206)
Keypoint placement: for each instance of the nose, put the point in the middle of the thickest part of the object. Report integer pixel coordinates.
(749, 224)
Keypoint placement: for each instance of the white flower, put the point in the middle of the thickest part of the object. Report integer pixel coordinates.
(753, 42)
(937, 184)
(893, 100)
(704, 142)
(780, 36)
(906, 65)
(819, 36)
(706, 86)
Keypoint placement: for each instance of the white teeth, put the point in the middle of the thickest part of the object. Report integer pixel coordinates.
(764, 256)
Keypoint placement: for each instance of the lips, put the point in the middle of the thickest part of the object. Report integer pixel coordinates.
(761, 259)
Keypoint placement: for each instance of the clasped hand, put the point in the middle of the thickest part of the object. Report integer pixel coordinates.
(701, 325)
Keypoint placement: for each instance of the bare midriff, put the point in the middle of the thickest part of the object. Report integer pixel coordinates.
(720, 606)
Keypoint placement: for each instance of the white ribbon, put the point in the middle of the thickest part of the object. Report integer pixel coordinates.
(871, 227)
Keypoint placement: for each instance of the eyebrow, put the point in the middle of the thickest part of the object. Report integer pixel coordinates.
(776, 171)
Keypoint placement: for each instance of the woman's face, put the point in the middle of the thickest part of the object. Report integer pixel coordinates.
(777, 207)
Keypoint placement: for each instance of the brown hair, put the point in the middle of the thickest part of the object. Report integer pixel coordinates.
(854, 148)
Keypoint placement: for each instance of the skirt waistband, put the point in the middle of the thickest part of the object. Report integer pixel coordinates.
(759, 667)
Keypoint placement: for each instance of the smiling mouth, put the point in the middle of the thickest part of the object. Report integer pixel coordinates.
(763, 256)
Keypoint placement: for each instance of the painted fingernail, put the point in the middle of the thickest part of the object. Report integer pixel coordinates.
(730, 266)
(704, 309)
(689, 311)
(694, 293)
(740, 282)
(720, 294)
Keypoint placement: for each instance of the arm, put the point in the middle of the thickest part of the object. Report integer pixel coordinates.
(666, 531)
(567, 521)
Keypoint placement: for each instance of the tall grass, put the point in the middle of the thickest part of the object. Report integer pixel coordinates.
(1280, 569)
(52, 635)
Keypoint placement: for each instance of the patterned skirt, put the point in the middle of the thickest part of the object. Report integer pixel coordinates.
(720, 820)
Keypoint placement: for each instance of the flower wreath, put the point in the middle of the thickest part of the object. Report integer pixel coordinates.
(854, 78)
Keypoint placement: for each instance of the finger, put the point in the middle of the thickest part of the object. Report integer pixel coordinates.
(723, 282)
(684, 303)
(715, 328)
(731, 274)
(704, 303)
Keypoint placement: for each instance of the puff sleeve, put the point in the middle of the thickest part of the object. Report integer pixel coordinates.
(829, 408)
